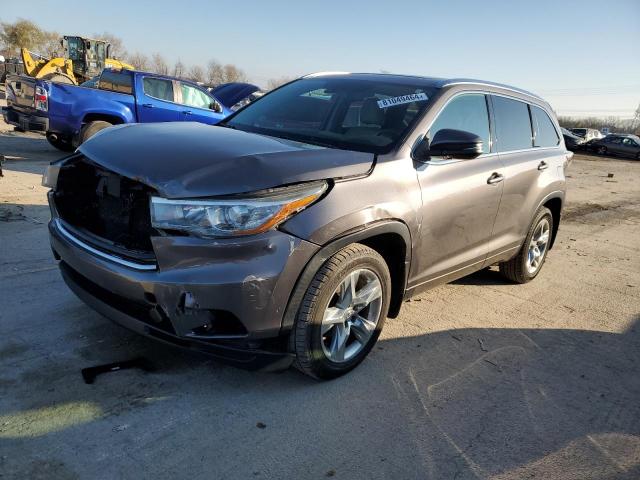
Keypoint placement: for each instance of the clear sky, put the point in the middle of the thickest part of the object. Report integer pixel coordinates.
(583, 56)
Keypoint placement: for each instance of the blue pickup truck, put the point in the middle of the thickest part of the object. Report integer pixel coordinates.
(70, 114)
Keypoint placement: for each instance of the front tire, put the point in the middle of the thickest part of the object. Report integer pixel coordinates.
(602, 150)
(342, 313)
(526, 265)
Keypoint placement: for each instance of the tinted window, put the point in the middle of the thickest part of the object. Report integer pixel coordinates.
(350, 113)
(115, 81)
(158, 88)
(545, 132)
(513, 126)
(468, 113)
(194, 97)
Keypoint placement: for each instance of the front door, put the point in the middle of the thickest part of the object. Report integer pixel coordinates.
(460, 197)
(196, 105)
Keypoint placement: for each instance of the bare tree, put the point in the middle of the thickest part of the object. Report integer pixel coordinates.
(196, 74)
(178, 69)
(117, 45)
(139, 61)
(234, 74)
(20, 34)
(159, 64)
(273, 83)
(215, 73)
(51, 45)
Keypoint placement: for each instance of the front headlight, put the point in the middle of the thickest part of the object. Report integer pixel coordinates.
(239, 215)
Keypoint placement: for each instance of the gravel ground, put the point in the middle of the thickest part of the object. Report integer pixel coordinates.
(476, 379)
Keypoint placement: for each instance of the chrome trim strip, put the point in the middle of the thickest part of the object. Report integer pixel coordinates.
(99, 253)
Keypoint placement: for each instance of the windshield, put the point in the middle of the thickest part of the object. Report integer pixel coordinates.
(346, 113)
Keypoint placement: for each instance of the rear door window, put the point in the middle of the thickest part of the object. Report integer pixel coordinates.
(466, 112)
(158, 88)
(545, 133)
(116, 82)
(513, 125)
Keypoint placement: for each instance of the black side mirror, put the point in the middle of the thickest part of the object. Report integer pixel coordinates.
(450, 143)
(215, 106)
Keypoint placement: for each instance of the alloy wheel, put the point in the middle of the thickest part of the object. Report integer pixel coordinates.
(538, 246)
(352, 315)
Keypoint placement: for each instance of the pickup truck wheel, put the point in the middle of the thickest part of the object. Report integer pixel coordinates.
(91, 128)
(342, 313)
(60, 143)
(526, 265)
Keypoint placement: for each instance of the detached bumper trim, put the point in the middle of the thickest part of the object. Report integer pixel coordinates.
(99, 253)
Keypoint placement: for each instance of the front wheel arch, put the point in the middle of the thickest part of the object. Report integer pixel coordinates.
(372, 236)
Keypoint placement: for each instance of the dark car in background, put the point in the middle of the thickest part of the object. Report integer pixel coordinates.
(289, 233)
(617, 144)
(573, 142)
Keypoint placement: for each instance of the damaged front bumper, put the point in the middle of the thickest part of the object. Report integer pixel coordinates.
(225, 298)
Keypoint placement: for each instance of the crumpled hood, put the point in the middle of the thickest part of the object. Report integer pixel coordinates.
(188, 159)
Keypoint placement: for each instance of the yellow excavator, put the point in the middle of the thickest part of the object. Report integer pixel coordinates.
(83, 59)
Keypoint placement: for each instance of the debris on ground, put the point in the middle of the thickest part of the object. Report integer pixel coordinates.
(261, 425)
(482, 347)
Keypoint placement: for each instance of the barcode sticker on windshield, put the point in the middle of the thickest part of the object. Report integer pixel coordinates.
(413, 97)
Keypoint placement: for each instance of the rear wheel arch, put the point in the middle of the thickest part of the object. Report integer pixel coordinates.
(104, 117)
(390, 238)
(555, 205)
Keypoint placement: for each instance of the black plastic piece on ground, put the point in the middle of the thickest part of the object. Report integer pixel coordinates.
(89, 374)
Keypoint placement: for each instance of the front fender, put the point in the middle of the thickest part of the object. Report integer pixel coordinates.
(309, 271)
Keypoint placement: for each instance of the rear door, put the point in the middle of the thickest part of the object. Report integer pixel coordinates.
(156, 99)
(614, 145)
(196, 105)
(530, 149)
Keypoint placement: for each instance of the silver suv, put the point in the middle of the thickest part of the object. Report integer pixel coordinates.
(289, 233)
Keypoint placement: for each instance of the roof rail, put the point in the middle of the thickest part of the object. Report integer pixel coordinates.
(468, 81)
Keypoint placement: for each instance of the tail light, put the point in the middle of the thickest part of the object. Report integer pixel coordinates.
(41, 99)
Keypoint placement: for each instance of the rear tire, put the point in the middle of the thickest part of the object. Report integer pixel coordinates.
(91, 128)
(602, 150)
(60, 143)
(330, 312)
(519, 268)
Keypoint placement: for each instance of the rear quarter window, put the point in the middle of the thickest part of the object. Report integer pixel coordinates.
(513, 125)
(545, 133)
(116, 82)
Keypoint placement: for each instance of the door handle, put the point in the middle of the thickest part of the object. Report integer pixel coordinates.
(543, 165)
(495, 178)
(187, 112)
(147, 105)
